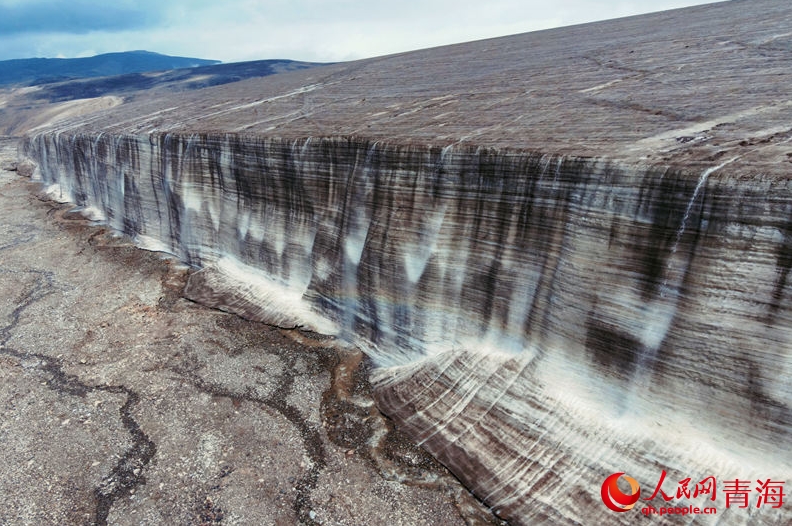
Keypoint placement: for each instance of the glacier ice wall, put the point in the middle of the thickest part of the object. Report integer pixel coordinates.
(538, 321)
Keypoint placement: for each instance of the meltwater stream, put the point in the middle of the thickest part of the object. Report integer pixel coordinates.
(658, 314)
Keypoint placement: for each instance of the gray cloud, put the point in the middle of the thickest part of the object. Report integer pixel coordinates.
(73, 17)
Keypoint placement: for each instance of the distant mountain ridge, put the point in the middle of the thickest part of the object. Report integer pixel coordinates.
(50, 82)
(36, 71)
(183, 79)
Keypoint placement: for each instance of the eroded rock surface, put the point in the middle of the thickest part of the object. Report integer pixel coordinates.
(566, 252)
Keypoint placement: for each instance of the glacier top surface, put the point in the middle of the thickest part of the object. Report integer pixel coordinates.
(700, 85)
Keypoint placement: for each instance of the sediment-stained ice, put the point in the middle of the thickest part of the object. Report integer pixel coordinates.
(538, 322)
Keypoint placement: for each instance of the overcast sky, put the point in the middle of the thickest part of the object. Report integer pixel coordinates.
(312, 30)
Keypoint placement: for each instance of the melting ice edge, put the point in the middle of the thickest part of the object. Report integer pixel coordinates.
(539, 321)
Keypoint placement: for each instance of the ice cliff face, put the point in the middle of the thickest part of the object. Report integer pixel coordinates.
(567, 252)
(539, 321)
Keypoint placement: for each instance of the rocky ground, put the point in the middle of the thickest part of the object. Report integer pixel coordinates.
(124, 403)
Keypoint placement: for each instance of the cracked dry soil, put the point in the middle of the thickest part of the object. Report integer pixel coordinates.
(124, 403)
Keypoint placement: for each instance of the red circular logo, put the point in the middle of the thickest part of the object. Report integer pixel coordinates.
(616, 499)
